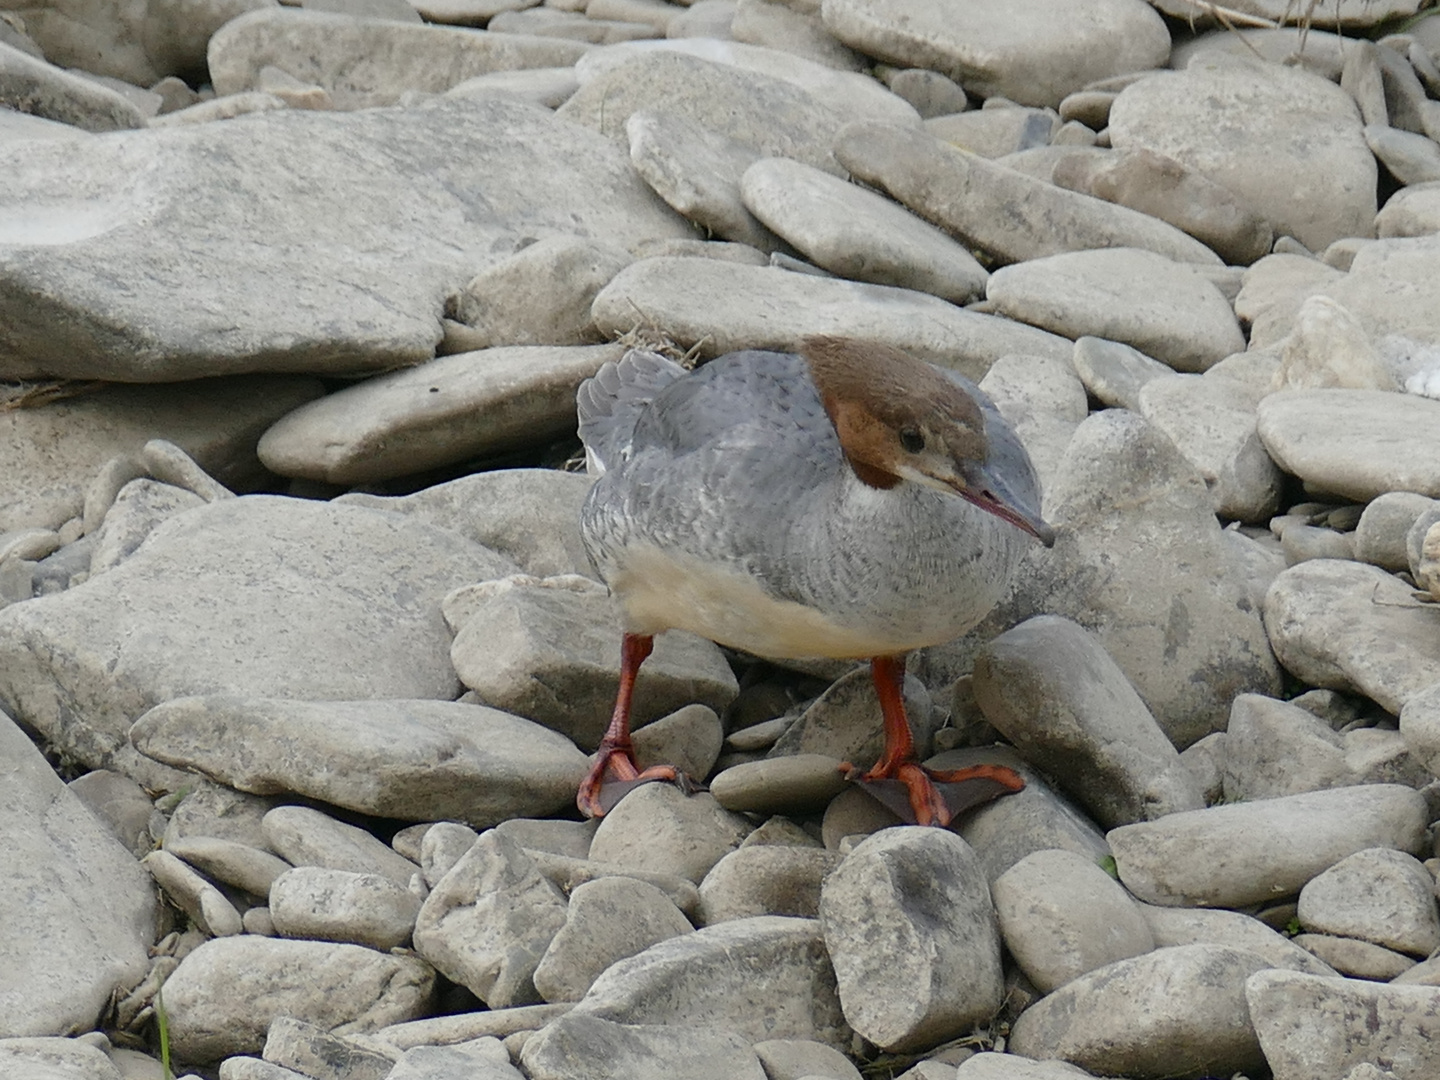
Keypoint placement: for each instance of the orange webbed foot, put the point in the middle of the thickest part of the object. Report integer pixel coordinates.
(614, 774)
(923, 796)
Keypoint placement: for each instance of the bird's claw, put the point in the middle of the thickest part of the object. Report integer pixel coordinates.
(921, 796)
(614, 774)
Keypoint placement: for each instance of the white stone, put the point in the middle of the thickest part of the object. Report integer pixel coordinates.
(549, 650)
(1318, 1029)
(858, 234)
(697, 170)
(1378, 895)
(658, 829)
(1141, 561)
(54, 1058)
(31, 85)
(1411, 211)
(1262, 131)
(1049, 686)
(1348, 626)
(1330, 348)
(1061, 915)
(763, 978)
(725, 307)
(1034, 53)
(53, 454)
(489, 920)
(434, 760)
(531, 516)
(223, 996)
(320, 904)
(1212, 422)
(447, 411)
(1178, 1011)
(911, 930)
(206, 587)
(1203, 926)
(1246, 853)
(606, 920)
(1005, 212)
(203, 902)
(586, 1045)
(1167, 310)
(304, 836)
(1356, 443)
(849, 93)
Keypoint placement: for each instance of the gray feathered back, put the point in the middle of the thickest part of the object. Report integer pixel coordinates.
(610, 403)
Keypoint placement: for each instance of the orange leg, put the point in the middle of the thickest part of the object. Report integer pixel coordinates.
(933, 797)
(614, 771)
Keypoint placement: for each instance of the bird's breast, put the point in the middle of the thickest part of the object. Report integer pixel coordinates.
(660, 589)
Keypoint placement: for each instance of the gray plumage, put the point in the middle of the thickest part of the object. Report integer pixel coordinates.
(736, 468)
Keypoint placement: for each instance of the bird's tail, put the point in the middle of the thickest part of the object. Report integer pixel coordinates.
(610, 403)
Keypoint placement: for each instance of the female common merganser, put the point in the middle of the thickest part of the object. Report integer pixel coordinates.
(848, 502)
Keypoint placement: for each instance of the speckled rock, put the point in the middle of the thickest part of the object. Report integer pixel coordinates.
(909, 924)
(764, 978)
(336, 905)
(1013, 216)
(1318, 1029)
(765, 879)
(460, 761)
(289, 311)
(1140, 562)
(1256, 129)
(321, 48)
(656, 828)
(549, 650)
(1212, 422)
(1194, 926)
(581, 1044)
(1378, 895)
(1039, 818)
(1178, 1011)
(452, 409)
(489, 920)
(222, 997)
(1244, 853)
(606, 920)
(1155, 184)
(1348, 626)
(723, 307)
(1052, 690)
(64, 955)
(1115, 373)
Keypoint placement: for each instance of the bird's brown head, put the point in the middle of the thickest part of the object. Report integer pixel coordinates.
(900, 419)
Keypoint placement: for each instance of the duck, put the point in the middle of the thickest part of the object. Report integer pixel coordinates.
(845, 501)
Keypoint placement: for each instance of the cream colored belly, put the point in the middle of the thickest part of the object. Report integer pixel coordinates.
(660, 591)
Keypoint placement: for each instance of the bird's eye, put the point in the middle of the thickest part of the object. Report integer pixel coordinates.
(912, 440)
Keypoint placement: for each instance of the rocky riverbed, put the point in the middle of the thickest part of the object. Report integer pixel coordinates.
(301, 658)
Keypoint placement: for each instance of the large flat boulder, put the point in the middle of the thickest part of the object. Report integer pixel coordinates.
(259, 596)
(290, 240)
